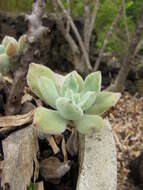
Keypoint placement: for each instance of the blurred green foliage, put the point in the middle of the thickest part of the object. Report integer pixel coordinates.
(15, 5)
(105, 16)
(31, 187)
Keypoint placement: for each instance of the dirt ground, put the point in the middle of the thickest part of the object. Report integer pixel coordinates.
(127, 123)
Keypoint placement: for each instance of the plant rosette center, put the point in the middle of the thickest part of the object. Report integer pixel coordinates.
(73, 100)
(9, 48)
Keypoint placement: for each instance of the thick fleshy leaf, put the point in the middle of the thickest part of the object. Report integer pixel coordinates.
(35, 71)
(49, 121)
(70, 82)
(104, 101)
(88, 122)
(69, 94)
(87, 100)
(22, 43)
(5, 64)
(7, 40)
(79, 80)
(92, 82)
(2, 49)
(48, 90)
(12, 49)
(67, 109)
(76, 98)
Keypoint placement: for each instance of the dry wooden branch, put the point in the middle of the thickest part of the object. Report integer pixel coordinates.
(108, 35)
(74, 28)
(53, 144)
(61, 27)
(16, 120)
(64, 149)
(35, 31)
(20, 158)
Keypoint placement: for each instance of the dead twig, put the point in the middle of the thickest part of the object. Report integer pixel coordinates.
(53, 145)
(16, 120)
(64, 149)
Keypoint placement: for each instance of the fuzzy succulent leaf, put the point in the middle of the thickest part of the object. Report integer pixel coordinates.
(2, 49)
(70, 82)
(5, 64)
(67, 109)
(87, 100)
(48, 90)
(35, 71)
(92, 82)
(88, 122)
(7, 40)
(12, 49)
(79, 80)
(49, 121)
(22, 43)
(104, 101)
(76, 98)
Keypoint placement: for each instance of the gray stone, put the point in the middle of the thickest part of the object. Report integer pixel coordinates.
(98, 164)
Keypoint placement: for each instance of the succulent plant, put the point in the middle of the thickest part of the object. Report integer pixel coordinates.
(9, 48)
(71, 99)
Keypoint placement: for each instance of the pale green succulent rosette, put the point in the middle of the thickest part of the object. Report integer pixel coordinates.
(104, 101)
(9, 48)
(7, 40)
(48, 91)
(34, 79)
(68, 110)
(2, 49)
(88, 122)
(77, 101)
(92, 83)
(72, 81)
(56, 124)
(87, 100)
(4, 63)
(22, 43)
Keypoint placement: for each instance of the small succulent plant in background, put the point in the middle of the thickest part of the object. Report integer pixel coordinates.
(9, 48)
(72, 99)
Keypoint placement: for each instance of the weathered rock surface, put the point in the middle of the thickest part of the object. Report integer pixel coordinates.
(98, 170)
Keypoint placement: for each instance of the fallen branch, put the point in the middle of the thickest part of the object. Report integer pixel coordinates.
(53, 144)
(16, 120)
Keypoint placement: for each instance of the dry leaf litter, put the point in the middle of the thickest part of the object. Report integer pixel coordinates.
(127, 122)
